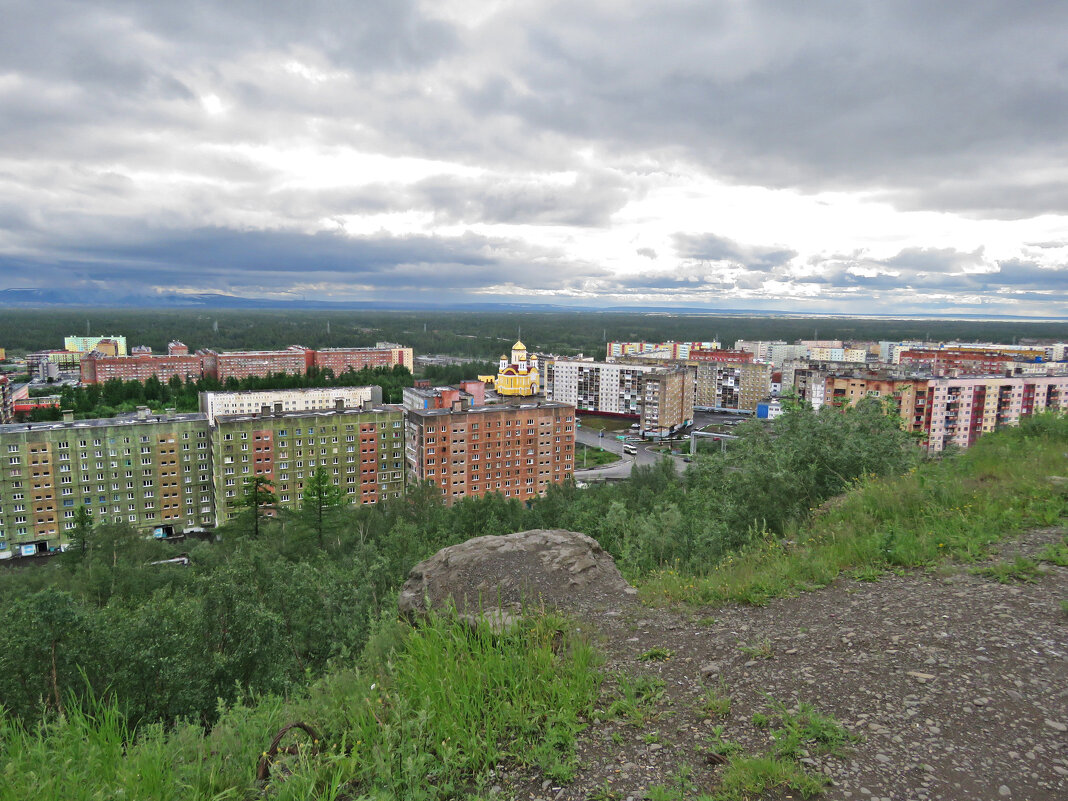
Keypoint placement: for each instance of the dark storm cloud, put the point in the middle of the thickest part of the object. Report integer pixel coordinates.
(709, 247)
(221, 259)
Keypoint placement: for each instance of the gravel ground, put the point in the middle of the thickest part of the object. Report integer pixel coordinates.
(956, 684)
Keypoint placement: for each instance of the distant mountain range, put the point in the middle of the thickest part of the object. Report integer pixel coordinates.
(95, 298)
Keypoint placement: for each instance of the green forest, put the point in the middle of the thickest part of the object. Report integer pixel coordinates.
(481, 335)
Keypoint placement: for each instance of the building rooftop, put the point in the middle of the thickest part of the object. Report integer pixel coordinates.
(497, 407)
(311, 413)
(131, 419)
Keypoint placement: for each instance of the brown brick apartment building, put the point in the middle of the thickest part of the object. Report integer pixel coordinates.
(517, 450)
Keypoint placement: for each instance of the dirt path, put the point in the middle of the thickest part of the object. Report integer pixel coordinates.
(957, 685)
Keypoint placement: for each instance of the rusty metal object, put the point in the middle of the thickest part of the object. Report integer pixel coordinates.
(263, 769)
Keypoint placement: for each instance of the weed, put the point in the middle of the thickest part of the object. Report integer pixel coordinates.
(760, 720)
(617, 738)
(656, 654)
(651, 737)
(605, 792)
(808, 729)
(715, 702)
(635, 698)
(868, 573)
(760, 650)
(1064, 607)
(681, 788)
(751, 777)
(1055, 554)
(720, 746)
(707, 621)
(1021, 569)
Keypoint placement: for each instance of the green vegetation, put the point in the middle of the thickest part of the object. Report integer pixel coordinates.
(635, 698)
(1020, 570)
(168, 681)
(760, 650)
(715, 702)
(586, 456)
(1056, 554)
(953, 508)
(483, 335)
(426, 715)
(656, 654)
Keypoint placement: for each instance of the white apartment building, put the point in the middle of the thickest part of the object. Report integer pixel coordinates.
(221, 404)
(596, 386)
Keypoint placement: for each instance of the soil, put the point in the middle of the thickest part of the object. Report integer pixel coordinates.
(956, 685)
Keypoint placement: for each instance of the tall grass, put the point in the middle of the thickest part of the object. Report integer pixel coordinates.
(952, 508)
(426, 716)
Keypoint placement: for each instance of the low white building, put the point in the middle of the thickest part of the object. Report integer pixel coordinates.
(221, 404)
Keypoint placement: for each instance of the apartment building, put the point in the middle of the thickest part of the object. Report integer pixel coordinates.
(143, 469)
(943, 361)
(294, 360)
(97, 368)
(720, 356)
(362, 449)
(116, 345)
(7, 403)
(963, 409)
(910, 396)
(667, 350)
(732, 385)
(473, 392)
(384, 354)
(225, 404)
(667, 401)
(602, 387)
(517, 450)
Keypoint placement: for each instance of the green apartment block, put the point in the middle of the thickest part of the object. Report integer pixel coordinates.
(362, 448)
(148, 470)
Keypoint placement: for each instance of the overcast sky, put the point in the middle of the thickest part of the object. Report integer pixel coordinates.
(855, 157)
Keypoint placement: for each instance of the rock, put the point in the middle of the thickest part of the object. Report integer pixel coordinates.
(1004, 791)
(1056, 725)
(710, 670)
(922, 678)
(555, 567)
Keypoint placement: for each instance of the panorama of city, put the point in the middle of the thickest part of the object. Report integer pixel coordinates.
(529, 400)
(170, 472)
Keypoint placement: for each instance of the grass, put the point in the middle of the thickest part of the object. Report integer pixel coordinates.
(445, 705)
(585, 456)
(760, 650)
(802, 728)
(952, 509)
(1019, 570)
(1055, 554)
(605, 424)
(656, 654)
(635, 698)
(715, 702)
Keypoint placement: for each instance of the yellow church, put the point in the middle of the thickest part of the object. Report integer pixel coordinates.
(518, 377)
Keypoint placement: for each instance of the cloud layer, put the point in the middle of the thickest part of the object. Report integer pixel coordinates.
(904, 155)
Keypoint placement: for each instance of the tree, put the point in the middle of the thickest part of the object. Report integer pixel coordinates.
(321, 496)
(259, 499)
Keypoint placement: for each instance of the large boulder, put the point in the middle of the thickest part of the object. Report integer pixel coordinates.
(494, 575)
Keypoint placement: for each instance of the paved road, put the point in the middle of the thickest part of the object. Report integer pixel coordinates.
(619, 470)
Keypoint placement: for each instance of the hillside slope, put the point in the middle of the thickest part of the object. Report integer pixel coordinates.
(956, 683)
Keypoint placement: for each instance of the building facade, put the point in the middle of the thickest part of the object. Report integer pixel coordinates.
(963, 409)
(516, 450)
(667, 350)
(732, 385)
(384, 354)
(97, 368)
(362, 449)
(76, 344)
(146, 470)
(667, 401)
(224, 404)
(601, 387)
(7, 403)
